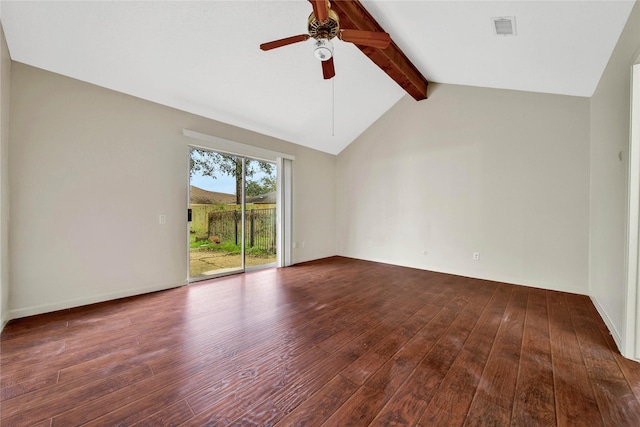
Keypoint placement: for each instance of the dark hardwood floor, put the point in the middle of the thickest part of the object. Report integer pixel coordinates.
(335, 342)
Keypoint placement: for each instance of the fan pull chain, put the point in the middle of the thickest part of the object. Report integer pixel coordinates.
(333, 106)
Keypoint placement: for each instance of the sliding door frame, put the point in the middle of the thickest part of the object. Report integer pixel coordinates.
(284, 205)
(630, 346)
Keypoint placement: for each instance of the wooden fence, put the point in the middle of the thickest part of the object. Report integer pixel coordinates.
(260, 227)
(200, 215)
(200, 218)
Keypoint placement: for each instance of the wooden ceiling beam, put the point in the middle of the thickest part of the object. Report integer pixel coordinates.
(391, 60)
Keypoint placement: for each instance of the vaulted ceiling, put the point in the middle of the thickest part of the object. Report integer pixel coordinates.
(203, 57)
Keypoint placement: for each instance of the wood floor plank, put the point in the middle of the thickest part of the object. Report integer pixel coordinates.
(451, 402)
(382, 386)
(43, 423)
(598, 358)
(264, 414)
(173, 415)
(491, 415)
(310, 381)
(216, 347)
(95, 412)
(48, 390)
(63, 358)
(332, 342)
(19, 388)
(534, 402)
(606, 379)
(367, 364)
(225, 406)
(41, 328)
(361, 407)
(61, 336)
(305, 385)
(628, 368)
(574, 396)
(35, 354)
(47, 406)
(498, 380)
(317, 408)
(110, 364)
(152, 394)
(409, 402)
(631, 371)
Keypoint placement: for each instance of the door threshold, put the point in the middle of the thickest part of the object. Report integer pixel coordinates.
(261, 267)
(223, 272)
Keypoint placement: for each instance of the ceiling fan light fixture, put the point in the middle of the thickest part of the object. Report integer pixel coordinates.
(323, 49)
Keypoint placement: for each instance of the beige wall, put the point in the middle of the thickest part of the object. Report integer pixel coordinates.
(91, 171)
(5, 84)
(610, 111)
(498, 172)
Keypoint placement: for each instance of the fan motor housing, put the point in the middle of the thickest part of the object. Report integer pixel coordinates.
(324, 30)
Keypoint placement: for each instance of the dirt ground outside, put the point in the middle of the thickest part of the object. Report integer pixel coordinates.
(205, 262)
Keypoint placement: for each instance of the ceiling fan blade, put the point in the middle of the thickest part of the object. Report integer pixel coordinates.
(321, 9)
(328, 71)
(283, 42)
(366, 38)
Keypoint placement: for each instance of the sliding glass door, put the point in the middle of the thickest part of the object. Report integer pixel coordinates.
(232, 202)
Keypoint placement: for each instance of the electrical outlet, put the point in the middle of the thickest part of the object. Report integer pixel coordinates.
(162, 219)
(476, 256)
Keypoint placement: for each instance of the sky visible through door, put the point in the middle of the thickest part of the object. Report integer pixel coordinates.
(223, 182)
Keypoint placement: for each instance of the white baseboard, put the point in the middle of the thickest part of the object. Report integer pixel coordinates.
(3, 322)
(607, 321)
(298, 260)
(475, 275)
(63, 305)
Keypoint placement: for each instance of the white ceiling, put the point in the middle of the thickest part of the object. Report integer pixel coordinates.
(203, 57)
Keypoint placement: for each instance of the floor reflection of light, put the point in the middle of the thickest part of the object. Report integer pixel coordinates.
(248, 301)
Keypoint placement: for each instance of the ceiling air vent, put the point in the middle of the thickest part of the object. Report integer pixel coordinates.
(504, 25)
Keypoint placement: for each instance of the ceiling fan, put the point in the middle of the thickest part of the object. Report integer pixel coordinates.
(324, 25)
